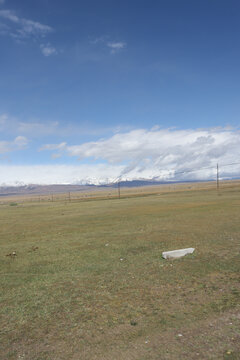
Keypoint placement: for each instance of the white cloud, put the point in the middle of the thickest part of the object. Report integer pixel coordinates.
(21, 28)
(61, 146)
(162, 152)
(159, 145)
(57, 174)
(37, 128)
(9, 15)
(12, 125)
(12, 175)
(30, 27)
(19, 143)
(48, 49)
(116, 46)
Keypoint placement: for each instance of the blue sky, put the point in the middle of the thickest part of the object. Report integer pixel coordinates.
(82, 81)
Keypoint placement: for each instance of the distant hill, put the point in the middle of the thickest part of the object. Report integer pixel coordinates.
(43, 189)
(59, 189)
(137, 183)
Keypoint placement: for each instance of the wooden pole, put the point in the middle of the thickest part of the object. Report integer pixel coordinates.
(119, 193)
(217, 177)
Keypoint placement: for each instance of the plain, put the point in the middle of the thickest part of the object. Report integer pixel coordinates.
(88, 280)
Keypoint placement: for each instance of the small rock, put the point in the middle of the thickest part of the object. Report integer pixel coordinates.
(177, 253)
(133, 322)
(12, 254)
(34, 248)
(180, 335)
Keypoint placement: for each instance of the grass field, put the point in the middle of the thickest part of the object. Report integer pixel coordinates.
(88, 281)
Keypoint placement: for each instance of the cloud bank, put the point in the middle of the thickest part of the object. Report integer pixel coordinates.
(12, 175)
(160, 154)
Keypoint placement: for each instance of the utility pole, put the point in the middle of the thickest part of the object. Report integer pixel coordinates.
(217, 178)
(119, 194)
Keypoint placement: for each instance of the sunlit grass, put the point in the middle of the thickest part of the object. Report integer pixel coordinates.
(88, 280)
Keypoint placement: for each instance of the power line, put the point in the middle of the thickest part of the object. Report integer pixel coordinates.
(193, 170)
(203, 168)
(237, 163)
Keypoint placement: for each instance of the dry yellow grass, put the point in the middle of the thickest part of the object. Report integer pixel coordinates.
(88, 281)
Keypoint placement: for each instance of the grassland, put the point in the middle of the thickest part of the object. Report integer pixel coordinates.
(88, 281)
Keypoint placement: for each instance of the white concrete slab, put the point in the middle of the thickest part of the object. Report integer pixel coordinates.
(177, 253)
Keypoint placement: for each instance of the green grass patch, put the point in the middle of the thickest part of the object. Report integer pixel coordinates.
(85, 272)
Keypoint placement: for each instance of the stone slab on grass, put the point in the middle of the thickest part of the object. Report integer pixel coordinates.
(177, 253)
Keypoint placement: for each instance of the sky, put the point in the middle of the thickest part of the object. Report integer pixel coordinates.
(97, 91)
